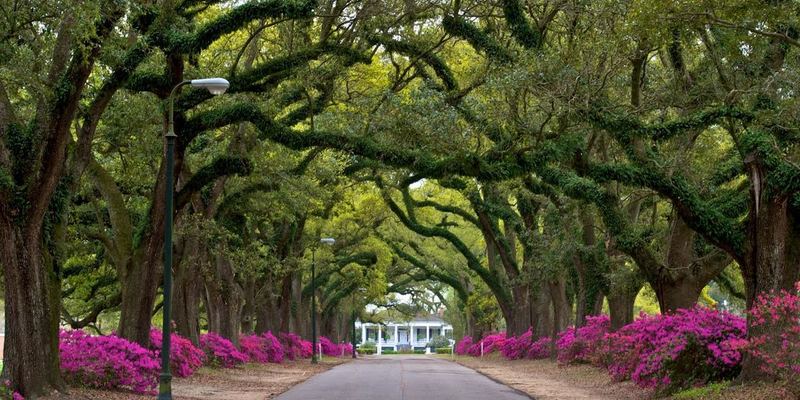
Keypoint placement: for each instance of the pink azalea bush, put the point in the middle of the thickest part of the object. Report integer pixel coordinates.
(294, 346)
(184, 356)
(491, 343)
(674, 351)
(775, 339)
(329, 348)
(463, 346)
(274, 349)
(664, 352)
(220, 351)
(263, 349)
(523, 346)
(578, 345)
(6, 392)
(107, 362)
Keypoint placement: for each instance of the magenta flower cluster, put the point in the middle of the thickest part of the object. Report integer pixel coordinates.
(184, 357)
(294, 346)
(110, 362)
(578, 344)
(490, 343)
(7, 393)
(107, 362)
(221, 352)
(775, 336)
(329, 348)
(675, 350)
(523, 346)
(262, 349)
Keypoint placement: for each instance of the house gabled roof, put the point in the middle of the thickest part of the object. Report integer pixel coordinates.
(428, 318)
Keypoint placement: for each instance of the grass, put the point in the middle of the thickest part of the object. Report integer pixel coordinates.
(712, 389)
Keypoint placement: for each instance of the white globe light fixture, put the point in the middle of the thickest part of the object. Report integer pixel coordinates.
(216, 86)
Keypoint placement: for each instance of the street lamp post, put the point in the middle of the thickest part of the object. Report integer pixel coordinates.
(353, 336)
(215, 86)
(328, 241)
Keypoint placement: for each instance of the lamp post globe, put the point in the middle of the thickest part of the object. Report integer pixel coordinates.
(329, 241)
(215, 86)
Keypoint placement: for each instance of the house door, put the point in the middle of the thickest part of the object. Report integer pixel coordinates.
(402, 335)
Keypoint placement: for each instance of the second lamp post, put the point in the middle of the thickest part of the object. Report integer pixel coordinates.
(328, 241)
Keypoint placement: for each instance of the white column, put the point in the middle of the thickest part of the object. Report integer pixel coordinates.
(379, 339)
(395, 334)
(428, 333)
(412, 331)
(363, 333)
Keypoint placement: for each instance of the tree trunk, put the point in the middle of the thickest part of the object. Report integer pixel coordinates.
(223, 300)
(543, 313)
(138, 299)
(771, 260)
(140, 281)
(675, 295)
(186, 303)
(267, 308)
(249, 308)
(31, 312)
(590, 279)
(285, 303)
(561, 308)
(299, 321)
(620, 305)
(518, 319)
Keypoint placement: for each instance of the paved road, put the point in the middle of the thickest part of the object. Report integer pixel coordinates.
(401, 378)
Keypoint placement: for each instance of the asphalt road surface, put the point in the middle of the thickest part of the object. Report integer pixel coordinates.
(401, 378)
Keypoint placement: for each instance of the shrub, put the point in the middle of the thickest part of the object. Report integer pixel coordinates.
(492, 343)
(220, 351)
(523, 346)
(419, 351)
(7, 393)
(107, 362)
(274, 349)
(263, 349)
(444, 350)
(775, 338)
(463, 345)
(438, 341)
(294, 346)
(254, 347)
(184, 356)
(329, 348)
(674, 351)
(578, 345)
(367, 346)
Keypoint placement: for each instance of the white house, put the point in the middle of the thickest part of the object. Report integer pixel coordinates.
(414, 334)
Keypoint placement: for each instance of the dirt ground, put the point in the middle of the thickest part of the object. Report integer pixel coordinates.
(251, 382)
(546, 380)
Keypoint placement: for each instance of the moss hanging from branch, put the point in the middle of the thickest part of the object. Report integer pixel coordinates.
(698, 214)
(459, 27)
(222, 166)
(237, 18)
(414, 51)
(521, 29)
